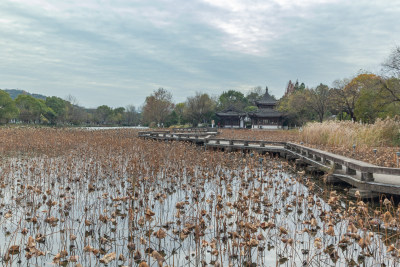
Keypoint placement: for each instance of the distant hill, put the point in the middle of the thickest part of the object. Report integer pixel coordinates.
(16, 92)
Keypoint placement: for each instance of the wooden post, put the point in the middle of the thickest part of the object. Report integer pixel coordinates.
(350, 171)
(367, 176)
(337, 166)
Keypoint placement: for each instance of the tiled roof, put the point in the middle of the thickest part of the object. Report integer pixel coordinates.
(229, 112)
(266, 99)
(265, 112)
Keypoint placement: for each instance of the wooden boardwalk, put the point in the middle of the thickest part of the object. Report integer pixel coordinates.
(367, 178)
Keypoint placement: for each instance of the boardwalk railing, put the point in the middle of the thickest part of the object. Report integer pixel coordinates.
(348, 165)
(358, 173)
(197, 130)
(242, 142)
(188, 136)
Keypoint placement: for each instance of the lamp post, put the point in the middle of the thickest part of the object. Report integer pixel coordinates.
(375, 150)
(260, 160)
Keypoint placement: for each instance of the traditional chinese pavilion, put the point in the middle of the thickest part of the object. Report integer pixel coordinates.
(231, 118)
(266, 117)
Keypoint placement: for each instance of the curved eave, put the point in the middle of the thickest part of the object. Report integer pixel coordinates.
(266, 115)
(267, 103)
(230, 114)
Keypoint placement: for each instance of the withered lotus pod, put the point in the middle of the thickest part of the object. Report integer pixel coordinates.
(160, 234)
(149, 212)
(13, 250)
(108, 258)
(143, 264)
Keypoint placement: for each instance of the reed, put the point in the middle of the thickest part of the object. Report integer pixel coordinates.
(346, 133)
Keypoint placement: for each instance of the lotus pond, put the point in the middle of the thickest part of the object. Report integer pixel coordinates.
(75, 197)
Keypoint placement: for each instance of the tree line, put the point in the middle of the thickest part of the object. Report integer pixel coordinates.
(199, 109)
(158, 109)
(364, 97)
(57, 111)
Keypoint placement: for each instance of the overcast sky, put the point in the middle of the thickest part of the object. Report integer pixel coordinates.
(117, 52)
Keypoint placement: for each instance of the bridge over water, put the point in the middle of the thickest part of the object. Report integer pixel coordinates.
(368, 179)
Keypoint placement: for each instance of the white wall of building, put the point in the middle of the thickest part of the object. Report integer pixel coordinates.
(270, 127)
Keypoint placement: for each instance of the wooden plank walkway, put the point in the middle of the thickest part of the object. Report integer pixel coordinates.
(364, 176)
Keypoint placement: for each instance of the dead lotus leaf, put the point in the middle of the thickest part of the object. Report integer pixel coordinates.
(109, 257)
(158, 257)
(143, 264)
(160, 234)
(13, 250)
(149, 213)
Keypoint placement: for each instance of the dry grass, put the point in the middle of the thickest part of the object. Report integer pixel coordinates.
(356, 140)
(339, 138)
(267, 135)
(383, 133)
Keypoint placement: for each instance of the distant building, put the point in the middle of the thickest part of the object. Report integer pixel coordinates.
(231, 118)
(266, 117)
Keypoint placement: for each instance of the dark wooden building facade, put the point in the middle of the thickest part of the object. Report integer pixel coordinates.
(266, 117)
(231, 118)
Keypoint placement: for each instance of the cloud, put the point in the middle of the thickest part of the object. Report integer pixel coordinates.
(118, 52)
(251, 25)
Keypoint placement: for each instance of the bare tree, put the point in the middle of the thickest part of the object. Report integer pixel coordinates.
(131, 115)
(345, 96)
(319, 100)
(74, 113)
(391, 89)
(392, 63)
(391, 84)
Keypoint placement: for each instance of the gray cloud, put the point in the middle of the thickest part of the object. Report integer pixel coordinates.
(118, 52)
